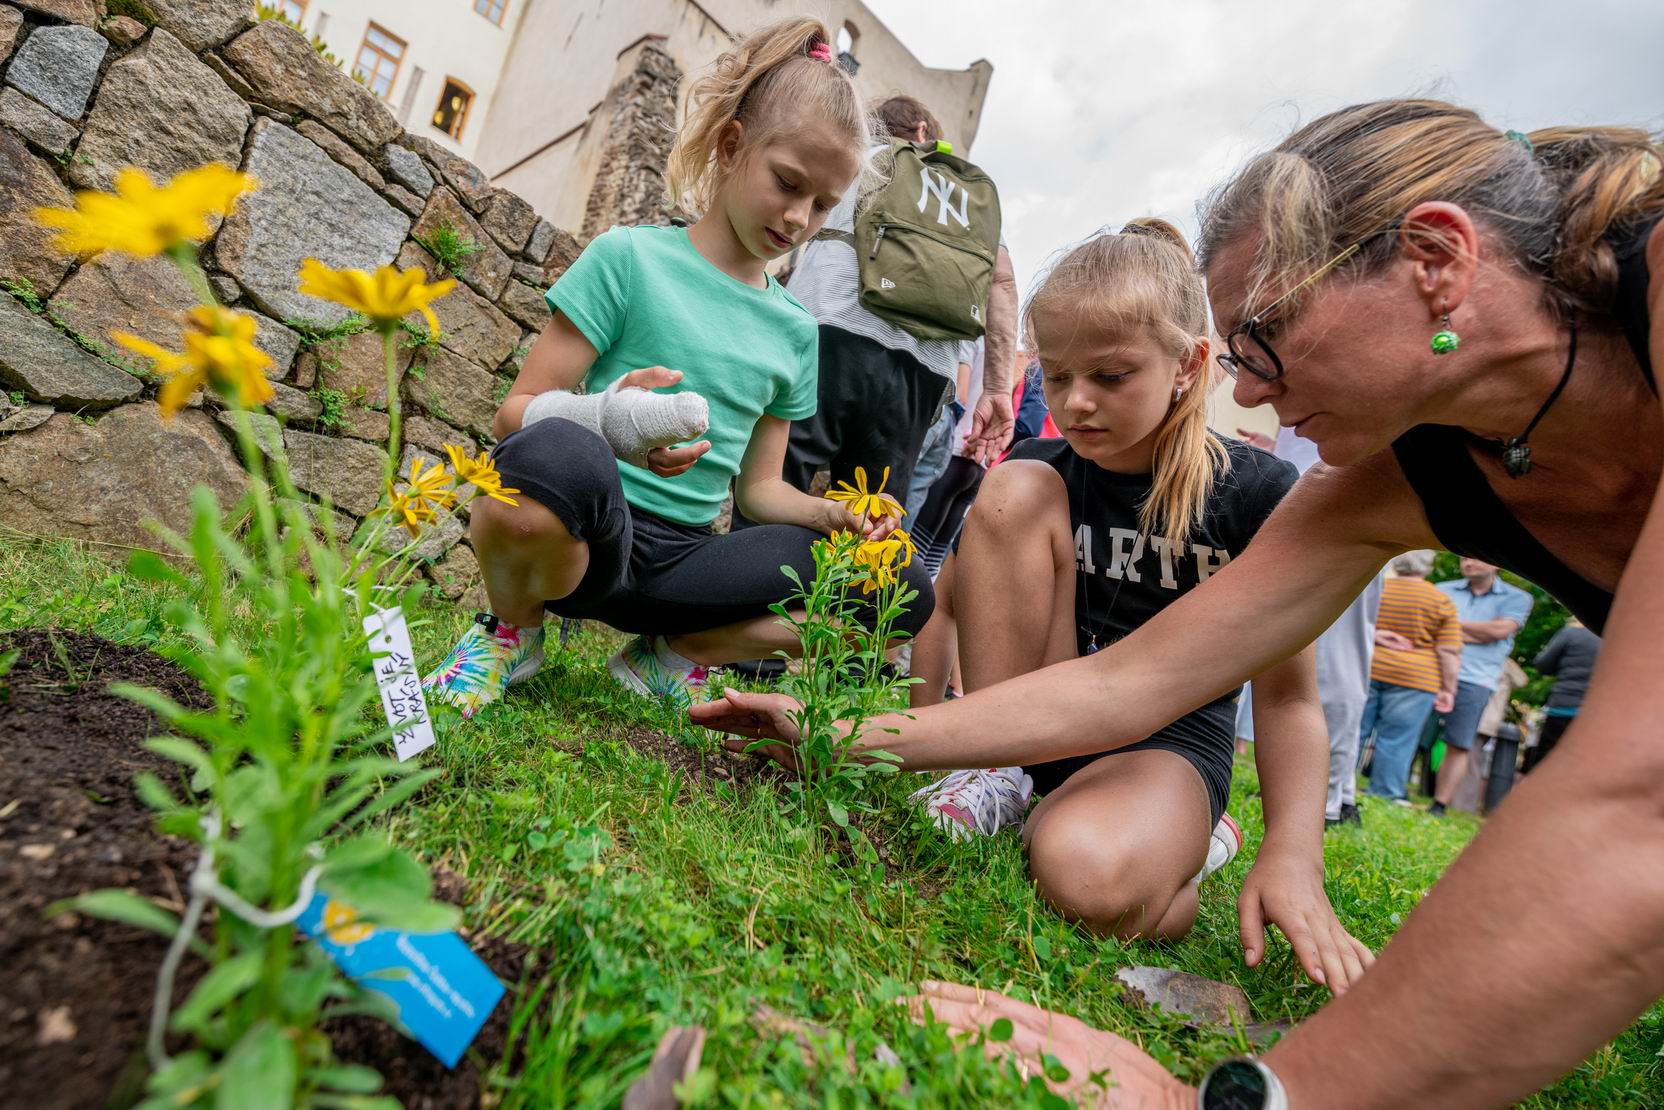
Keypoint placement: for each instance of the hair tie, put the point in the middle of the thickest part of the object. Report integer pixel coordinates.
(1523, 139)
(821, 51)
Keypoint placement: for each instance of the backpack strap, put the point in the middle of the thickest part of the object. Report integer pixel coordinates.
(826, 233)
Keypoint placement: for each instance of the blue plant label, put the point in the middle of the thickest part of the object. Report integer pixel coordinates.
(443, 991)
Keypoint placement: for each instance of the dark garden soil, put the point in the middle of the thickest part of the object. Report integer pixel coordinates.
(75, 992)
(702, 767)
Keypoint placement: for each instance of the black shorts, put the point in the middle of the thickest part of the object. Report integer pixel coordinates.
(652, 576)
(1211, 759)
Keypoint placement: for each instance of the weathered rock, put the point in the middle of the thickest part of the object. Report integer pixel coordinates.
(343, 524)
(11, 22)
(123, 30)
(530, 273)
(202, 24)
(367, 424)
(233, 80)
(509, 219)
(307, 207)
(562, 253)
(406, 168)
(524, 304)
(84, 12)
(467, 179)
(41, 361)
(27, 183)
(487, 268)
(455, 390)
(58, 66)
(226, 288)
(25, 419)
(292, 404)
(101, 481)
(268, 432)
(471, 326)
(357, 366)
(542, 241)
(457, 571)
(404, 198)
(164, 111)
(286, 73)
(342, 153)
(43, 128)
(1192, 998)
(278, 340)
(431, 435)
(304, 375)
(346, 471)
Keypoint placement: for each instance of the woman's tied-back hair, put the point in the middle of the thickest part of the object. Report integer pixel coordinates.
(1143, 281)
(1555, 199)
(777, 70)
(900, 117)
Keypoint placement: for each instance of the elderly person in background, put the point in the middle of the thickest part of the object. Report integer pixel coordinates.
(1418, 654)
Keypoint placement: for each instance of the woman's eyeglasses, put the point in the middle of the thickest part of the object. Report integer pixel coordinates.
(1247, 345)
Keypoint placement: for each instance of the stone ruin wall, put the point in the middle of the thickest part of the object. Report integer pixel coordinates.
(638, 119)
(84, 452)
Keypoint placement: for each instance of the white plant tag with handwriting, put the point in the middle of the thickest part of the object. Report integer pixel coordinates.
(401, 686)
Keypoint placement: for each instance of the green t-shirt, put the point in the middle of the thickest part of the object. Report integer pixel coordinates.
(644, 296)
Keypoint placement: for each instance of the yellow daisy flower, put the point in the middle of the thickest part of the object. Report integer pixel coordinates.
(384, 297)
(144, 220)
(884, 558)
(410, 510)
(433, 487)
(219, 351)
(876, 504)
(481, 473)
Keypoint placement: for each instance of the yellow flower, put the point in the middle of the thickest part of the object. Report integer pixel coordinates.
(143, 220)
(424, 495)
(884, 558)
(876, 504)
(342, 925)
(385, 297)
(481, 473)
(219, 350)
(411, 511)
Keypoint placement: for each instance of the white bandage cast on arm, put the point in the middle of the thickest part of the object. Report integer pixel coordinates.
(632, 421)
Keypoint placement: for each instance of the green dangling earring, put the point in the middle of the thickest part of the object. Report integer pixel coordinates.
(1444, 340)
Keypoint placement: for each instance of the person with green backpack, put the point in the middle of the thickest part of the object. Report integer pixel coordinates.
(897, 278)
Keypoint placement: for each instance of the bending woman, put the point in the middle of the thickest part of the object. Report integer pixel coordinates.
(1076, 542)
(1464, 323)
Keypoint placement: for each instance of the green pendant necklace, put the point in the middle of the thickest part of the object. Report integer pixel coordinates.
(1516, 453)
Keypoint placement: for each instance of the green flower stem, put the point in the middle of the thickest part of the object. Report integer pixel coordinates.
(390, 351)
(184, 257)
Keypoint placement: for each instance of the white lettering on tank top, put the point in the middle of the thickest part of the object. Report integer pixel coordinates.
(1208, 561)
(1083, 550)
(1122, 561)
(1167, 549)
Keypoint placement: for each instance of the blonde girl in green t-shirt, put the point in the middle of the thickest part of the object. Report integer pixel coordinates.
(676, 332)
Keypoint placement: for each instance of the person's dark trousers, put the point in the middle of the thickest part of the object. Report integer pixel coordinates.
(1553, 729)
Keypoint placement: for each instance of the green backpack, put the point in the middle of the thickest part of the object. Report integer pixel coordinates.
(926, 241)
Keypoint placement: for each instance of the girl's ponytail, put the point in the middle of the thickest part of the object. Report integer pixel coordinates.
(788, 64)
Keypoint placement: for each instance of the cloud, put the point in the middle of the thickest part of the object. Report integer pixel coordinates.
(1098, 113)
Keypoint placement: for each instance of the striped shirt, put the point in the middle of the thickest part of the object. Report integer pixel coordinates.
(1419, 611)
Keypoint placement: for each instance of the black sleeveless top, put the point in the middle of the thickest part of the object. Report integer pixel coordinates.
(1466, 514)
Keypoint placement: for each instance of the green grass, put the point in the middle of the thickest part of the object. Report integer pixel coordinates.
(650, 902)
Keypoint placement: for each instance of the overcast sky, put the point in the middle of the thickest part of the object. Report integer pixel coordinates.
(1100, 112)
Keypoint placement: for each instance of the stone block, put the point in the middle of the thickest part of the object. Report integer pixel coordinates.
(293, 405)
(123, 30)
(357, 366)
(84, 12)
(563, 251)
(467, 179)
(456, 572)
(509, 219)
(25, 419)
(404, 199)
(68, 478)
(307, 207)
(27, 183)
(163, 110)
(226, 288)
(43, 128)
(58, 66)
(524, 305)
(366, 424)
(486, 269)
(11, 22)
(471, 326)
(285, 73)
(432, 435)
(268, 432)
(345, 471)
(434, 540)
(343, 154)
(202, 24)
(406, 168)
(38, 359)
(455, 390)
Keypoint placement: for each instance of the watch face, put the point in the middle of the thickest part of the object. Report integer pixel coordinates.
(1234, 1085)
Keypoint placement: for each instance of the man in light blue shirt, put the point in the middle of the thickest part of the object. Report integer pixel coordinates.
(1492, 612)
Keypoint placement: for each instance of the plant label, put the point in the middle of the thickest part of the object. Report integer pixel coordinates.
(401, 686)
(443, 991)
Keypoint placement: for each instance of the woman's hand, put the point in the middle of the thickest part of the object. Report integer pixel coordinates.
(759, 716)
(1126, 1076)
(1397, 641)
(666, 462)
(833, 517)
(1286, 890)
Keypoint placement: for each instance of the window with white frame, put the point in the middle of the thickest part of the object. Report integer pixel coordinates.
(379, 58)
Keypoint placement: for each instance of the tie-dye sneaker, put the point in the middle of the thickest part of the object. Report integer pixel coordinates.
(491, 656)
(639, 666)
(981, 801)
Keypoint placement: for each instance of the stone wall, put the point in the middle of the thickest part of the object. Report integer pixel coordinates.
(83, 449)
(637, 129)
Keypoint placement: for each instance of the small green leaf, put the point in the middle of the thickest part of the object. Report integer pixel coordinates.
(147, 566)
(840, 815)
(218, 988)
(153, 793)
(181, 751)
(1001, 1030)
(123, 906)
(360, 851)
(352, 1079)
(259, 1073)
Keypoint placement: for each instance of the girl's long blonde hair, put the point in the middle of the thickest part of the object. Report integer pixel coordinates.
(1143, 280)
(772, 69)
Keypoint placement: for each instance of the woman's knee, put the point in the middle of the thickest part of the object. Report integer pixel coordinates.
(1111, 888)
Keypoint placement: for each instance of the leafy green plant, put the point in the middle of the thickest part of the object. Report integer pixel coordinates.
(16, 397)
(450, 248)
(332, 407)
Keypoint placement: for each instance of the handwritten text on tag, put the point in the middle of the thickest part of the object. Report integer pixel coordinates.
(401, 686)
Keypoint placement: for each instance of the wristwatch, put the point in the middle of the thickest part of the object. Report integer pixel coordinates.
(1241, 1083)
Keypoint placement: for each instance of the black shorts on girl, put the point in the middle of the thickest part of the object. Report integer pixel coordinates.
(652, 576)
(1124, 577)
